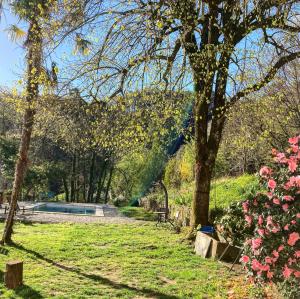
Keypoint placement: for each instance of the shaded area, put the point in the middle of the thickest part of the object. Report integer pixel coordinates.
(97, 278)
(138, 213)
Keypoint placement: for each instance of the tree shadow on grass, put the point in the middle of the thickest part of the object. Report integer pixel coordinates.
(24, 291)
(116, 285)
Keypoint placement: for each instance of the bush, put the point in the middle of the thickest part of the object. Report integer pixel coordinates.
(232, 224)
(272, 255)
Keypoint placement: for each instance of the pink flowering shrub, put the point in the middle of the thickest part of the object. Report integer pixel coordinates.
(272, 254)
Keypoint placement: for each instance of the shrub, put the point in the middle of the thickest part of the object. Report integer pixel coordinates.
(232, 225)
(272, 255)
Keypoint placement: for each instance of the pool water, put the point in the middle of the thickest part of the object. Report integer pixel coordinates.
(69, 209)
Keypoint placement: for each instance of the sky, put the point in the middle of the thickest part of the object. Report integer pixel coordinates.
(11, 53)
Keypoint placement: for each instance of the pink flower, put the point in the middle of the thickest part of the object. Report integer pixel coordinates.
(261, 232)
(285, 207)
(256, 265)
(298, 215)
(293, 222)
(276, 201)
(245, 206)
(275, 229)
(292, 165)
(268, 260)
(280, 158)
(286, 227)
(293, 140)
(256, 243)
(270, 275)
(265, 268)
(294, 181)
(287, 272)
(293, 238)
(275, 253)
(295, 148)
(248, 219)
(260, 219)
(265, 172)
(297, 254)
(272, 184)
(280, 248)
(291, 261)
(297, 274)
(288, 198)
(245, 259)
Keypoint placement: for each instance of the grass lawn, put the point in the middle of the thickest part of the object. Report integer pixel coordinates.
(111, 261)
(138, 213)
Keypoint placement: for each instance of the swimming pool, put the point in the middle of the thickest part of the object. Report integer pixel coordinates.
(65, 208)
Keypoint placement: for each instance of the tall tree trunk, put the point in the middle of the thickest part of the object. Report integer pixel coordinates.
(73, 174)
(65, 183)
(200, 204)
(84, 180)
(91, 178)
(101, 180)
(108, 184)
(34, 57)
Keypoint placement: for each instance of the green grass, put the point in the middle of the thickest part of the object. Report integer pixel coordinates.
(230, 189)
(109, 261)
(224, 191)
(138, 213)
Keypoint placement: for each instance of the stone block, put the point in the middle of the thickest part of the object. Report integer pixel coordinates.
(208, 246)
(203, 244)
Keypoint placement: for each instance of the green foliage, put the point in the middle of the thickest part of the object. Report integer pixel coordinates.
(8, 153)
(179, 169)
(138, 171)
(233, 226)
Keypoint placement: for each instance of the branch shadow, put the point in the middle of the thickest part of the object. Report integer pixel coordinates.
(24, 291)
(97, 278)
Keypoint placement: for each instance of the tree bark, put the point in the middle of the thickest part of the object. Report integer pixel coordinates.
(65, 183)
(91, 178)
(108, 184)
(73, 174)
(101, 181)
(34, 57)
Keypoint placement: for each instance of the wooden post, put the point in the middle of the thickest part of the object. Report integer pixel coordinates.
(14, 274)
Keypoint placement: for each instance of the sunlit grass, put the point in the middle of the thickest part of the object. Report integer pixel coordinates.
(109, 261)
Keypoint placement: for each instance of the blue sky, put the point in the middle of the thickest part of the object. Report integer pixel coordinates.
(11, 54)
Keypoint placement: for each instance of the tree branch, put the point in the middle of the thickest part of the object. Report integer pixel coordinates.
(267, 79)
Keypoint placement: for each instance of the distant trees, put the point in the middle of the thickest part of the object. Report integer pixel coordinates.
(262, 121)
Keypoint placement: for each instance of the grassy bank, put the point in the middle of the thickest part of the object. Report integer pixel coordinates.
(111, 261)
(224, 191)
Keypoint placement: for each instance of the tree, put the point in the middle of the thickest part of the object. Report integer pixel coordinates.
(206, 42)
(31, 12)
